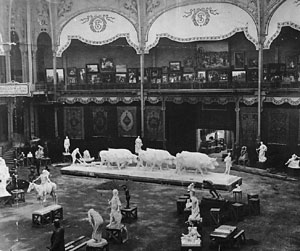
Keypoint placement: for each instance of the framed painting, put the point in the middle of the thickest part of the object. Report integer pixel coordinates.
(164, 78)
(238, 76)
(187, 77)
(252, 63)
(107, 65)
(121, 68)
(92, 68)
(132, 75)
(201, 76)
(291, 62)
(60, 76)
(121, 78)
(71, 71)
(175, 66)
(93, 78)
(81, 75)
(239, 60)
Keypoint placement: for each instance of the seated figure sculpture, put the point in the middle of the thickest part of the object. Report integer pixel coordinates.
(192, 237)
(193, 203)
(97, 223)
(87, 157)
(115, 213)
(293, 162)
(243, 159)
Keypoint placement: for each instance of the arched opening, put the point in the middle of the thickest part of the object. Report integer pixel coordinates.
(15, 58)
(43, 55)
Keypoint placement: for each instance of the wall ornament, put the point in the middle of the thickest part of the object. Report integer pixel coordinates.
(97, 23)
(201, 16)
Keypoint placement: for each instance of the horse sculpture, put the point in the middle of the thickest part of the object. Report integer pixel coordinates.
(43, 190)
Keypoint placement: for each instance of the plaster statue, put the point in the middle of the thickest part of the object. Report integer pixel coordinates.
(97, 223)
(262, 152)
(127, 195)
(4, 177)
(138, 145)
(243, 159)
(46, 187)
(39, 153)
(87, 157)
(228, 163)
(115, 213)
(293, 162)
(74, 156)
(212, 190)
(67, 144)
(193, 203)
(192, 237)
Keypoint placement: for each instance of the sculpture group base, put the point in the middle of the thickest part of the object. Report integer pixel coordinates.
(117, 233)
(165, 176)
(93, 245)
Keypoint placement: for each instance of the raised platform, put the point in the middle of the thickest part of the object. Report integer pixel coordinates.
(168, 176)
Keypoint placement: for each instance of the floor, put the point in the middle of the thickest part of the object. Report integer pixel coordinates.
(158, 226)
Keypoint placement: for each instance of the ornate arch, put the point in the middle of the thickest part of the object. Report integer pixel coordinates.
(287, 14)
(201, 22)
(97, 28)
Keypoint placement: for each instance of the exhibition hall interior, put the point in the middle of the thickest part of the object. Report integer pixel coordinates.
(149, 125)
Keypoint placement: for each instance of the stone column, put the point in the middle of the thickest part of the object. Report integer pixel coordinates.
(23, 49)
(34, 64)
(237, 122)
(7, 62)
(163, 108)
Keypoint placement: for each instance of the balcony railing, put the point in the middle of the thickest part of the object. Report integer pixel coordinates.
(194, 85)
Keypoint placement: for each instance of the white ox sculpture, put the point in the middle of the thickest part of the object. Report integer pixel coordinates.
(121, 157)
(195, 160)
(155, 157)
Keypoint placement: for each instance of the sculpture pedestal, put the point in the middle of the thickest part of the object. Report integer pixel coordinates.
(129, 213)
(117, 233)
(190, 246)
(47, 215)
(67, 157)
(18, 195)
(93, 245)
(294, 172)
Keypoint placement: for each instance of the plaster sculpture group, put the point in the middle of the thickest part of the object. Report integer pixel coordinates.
(4, 177)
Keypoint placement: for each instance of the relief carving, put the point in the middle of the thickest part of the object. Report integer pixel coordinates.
(43, 13)
(131, 5)
(151, 4)
(64, 6)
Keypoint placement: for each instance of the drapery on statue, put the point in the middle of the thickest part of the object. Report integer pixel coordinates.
(293, 162)
(67, 144)
(193, 204)
(262, 152)
(115, 213)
